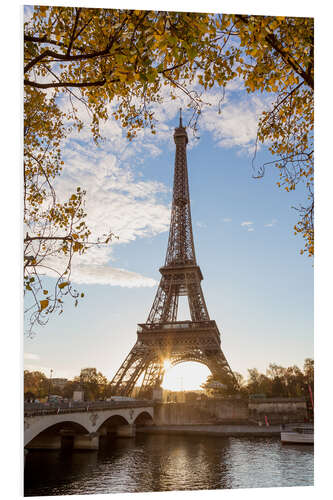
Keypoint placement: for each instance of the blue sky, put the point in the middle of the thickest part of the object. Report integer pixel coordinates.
(257, 286)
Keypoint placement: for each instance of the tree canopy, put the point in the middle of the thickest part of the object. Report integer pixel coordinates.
(36, 384)
(94, 384)
(130, 58)
(277, 382)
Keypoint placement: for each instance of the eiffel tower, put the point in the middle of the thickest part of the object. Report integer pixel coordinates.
(162, 337)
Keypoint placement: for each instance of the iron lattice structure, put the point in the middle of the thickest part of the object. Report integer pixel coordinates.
(162, 337)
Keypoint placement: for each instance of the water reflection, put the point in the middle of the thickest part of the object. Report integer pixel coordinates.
(269, 464)
(164, 463)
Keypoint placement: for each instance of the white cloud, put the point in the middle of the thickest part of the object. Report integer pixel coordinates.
(271, 224)
(30, 356)
(236, 125)
(129, 211)
(117, 200)
(106, 275)
(38, 368)
(247, 224)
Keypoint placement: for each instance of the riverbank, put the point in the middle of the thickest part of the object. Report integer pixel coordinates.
(213, 430)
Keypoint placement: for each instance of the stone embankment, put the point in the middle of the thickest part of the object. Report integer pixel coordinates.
(232, 411)
(214, 430)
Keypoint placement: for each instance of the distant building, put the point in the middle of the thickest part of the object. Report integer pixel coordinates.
(157, 394)
(183, 396)
(78, 396)
(58, 382)
(87, 374)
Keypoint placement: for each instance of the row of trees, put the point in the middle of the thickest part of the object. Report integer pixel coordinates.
(36, 385)
(277, 382)
(94, 384)
(134, 60)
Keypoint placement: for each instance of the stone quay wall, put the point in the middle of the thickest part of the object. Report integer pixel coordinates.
(203, 412)
(278, 410)
(232, 411)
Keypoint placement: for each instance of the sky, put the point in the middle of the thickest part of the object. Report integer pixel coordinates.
(257, 286)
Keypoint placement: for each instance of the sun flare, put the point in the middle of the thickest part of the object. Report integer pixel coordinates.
(184, 376)
(167, 365)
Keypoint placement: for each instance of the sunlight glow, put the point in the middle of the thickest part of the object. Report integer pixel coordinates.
(167, 365)
(185, 376)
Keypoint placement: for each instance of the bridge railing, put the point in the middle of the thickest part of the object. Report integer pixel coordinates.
(34, 409)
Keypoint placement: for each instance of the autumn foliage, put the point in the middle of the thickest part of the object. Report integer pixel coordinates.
(120, 63)
(278, 381)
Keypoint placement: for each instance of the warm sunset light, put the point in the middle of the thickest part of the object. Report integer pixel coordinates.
(167, 365)
(185, 376)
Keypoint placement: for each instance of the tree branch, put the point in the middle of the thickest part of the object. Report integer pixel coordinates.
(284, 99)
(65, 57)
(74, 29)
(32, 238)
(272, 40)
(42, 39)
(98, 83)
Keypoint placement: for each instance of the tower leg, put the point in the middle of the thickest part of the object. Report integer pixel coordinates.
(221, 370)
(153, 377)
(129, 372)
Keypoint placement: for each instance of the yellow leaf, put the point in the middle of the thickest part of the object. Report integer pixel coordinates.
(77, 246)
(63, 284)
(43, 304)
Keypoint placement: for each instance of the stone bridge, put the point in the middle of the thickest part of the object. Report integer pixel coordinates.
(83, 426)
(88, 426)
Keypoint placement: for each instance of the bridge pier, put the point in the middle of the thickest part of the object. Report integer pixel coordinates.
(86, 441)
(45, 442)
(126, 430)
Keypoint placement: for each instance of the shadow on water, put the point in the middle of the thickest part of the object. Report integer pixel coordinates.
(165, 462)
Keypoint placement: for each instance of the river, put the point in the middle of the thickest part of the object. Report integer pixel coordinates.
(164, 462)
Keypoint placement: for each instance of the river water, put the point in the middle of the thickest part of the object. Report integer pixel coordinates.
(163, 463)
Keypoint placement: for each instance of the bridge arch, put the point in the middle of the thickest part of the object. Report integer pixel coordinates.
(143, 418)
(47, 433)
(112, 421)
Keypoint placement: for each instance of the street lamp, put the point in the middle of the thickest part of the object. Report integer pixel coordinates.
(50, 381)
